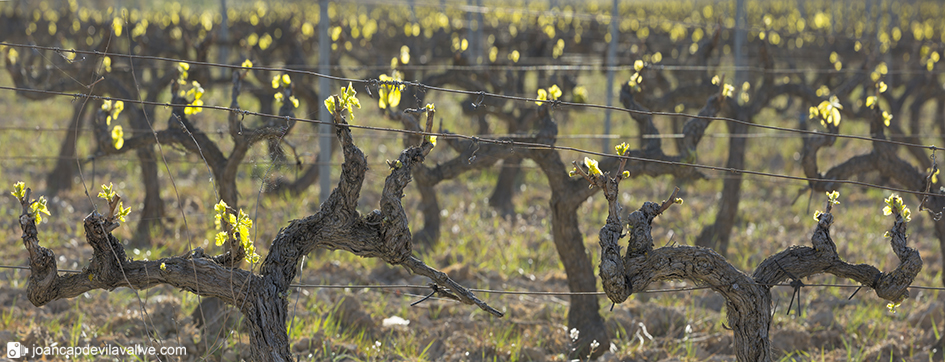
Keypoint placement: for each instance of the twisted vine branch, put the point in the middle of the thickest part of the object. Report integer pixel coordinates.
(383, 233)
(748, 298)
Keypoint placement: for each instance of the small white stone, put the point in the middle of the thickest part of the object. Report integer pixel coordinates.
(395, 321)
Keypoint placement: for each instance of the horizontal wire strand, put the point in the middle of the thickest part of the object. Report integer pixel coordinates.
(520, 292)
(535, 145)
(422, 87)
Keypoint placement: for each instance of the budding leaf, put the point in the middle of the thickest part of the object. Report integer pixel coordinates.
(542, 96)
(554, 92)
(894, 204)
(182, 68)
(108, 192)
(887, 118)
(622, 148)
(194, 107)
(579, 94)
(220, 238)
(118, 137)
(37, 208)
(592, 166)
(123, 212)
(19, 190)
(834, 197)
(330, 104)
(728, 90)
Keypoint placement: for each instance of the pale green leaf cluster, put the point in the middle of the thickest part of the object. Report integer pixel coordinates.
(280, 80)
(196, 91)
(593, 169)
(114, 109)
(118, 137)
(551, 94)
(827, 111)
(558, 49)
(239, 226)
(19, 190)
(37, 207)
(182, 69)
(279, 97)
(833, 197)
(592, 166)
(430, 138)
(895, 205)
(389, 94)
(108, 193)
(12, 55)
(349, 100)
(728, 90)
(637, 78)
(579, 94)
(622, 148)
(873, 102)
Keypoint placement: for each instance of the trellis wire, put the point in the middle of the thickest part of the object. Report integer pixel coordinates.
(537, 145)
(375, 82)
(517, 292)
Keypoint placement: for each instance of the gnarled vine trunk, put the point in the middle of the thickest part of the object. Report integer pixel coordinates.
(748, 299)
(262, 298)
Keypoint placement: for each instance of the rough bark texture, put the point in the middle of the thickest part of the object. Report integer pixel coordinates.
(566, 196)
(260, 297)
(748, 299)
(883, 159)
